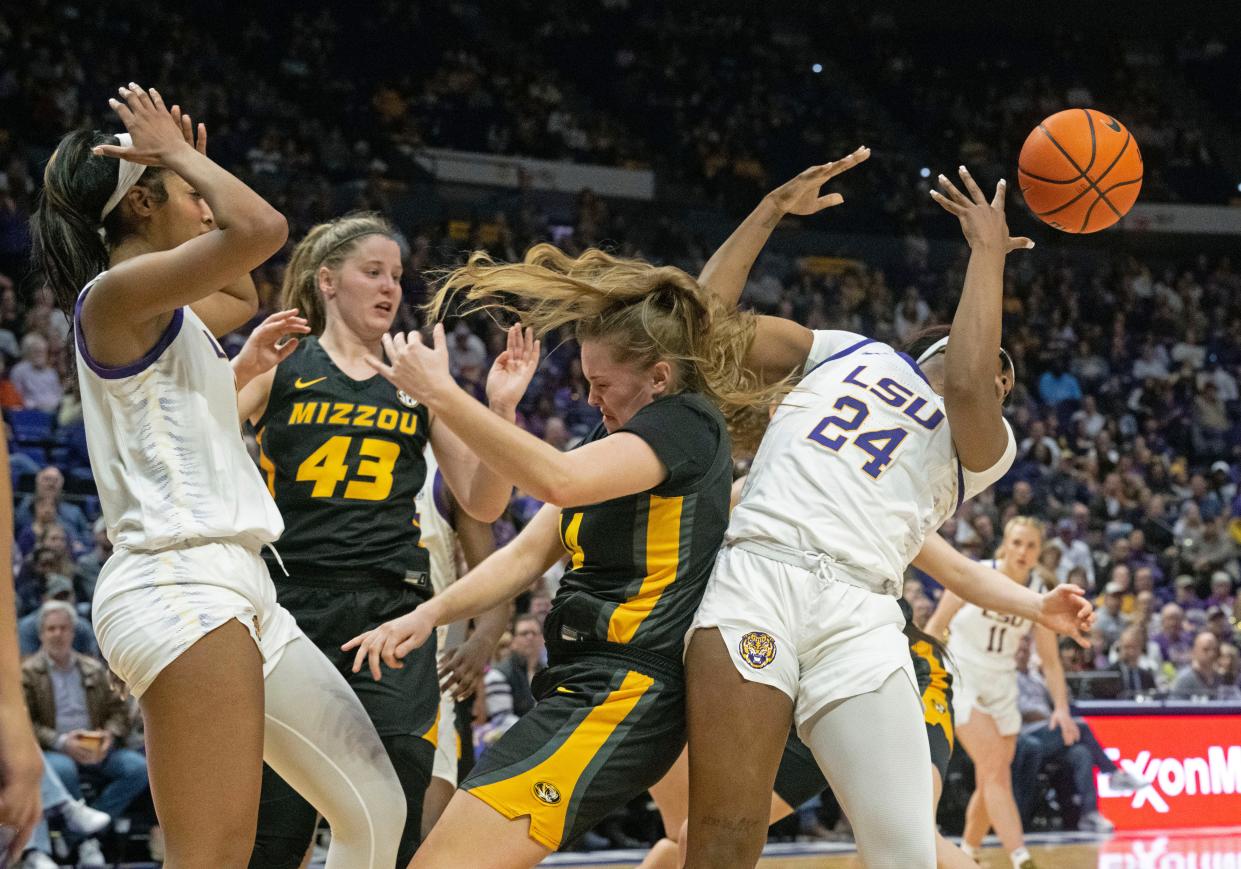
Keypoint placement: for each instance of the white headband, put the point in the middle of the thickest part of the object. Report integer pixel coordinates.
(943, 342)
(933, 349)
(127, 175)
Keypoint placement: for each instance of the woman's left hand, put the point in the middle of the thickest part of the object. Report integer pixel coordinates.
(513, 369)
(420, 371)
(272, 342)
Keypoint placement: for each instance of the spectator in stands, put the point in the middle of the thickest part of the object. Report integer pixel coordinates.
(10, 396)
(1108, 618)
(1228, 667)
(79, 718)
(1217, 549)
(50, 482)
(1210, 422)
(1219, 622)
(44, 515)
(59, 588)
(1048, 744)
(508, 685)
(1199, 680)
(1221, 591)
(34, 378)
(1174, 641)
(1186, 595)
(32, 579)
(1136, 678)
(1074, 552)
(1058, 386)
(91, 563)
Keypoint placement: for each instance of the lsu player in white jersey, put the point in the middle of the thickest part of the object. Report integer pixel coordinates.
(452, 536)
(859, 466)
(136, 235)
(982, 649)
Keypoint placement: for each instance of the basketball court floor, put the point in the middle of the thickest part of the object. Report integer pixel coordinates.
(1177, 849)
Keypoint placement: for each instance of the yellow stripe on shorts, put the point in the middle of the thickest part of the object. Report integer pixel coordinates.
(545, 791)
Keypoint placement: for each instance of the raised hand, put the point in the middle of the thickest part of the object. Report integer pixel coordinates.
(513, 369)
(156, 135)
(186, 123)
(982, 222)
(272, 342)
(390, 642)
(418, 370)
(803, 194)
(1065, 610)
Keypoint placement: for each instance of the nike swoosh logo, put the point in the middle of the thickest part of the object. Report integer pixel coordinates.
(302, 384)
(1113, 124)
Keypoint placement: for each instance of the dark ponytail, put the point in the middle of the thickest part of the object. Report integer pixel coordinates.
(67, 250)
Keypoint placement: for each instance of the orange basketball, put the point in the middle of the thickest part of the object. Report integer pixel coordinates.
(1080, 170)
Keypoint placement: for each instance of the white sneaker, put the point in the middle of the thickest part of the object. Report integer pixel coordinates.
(90, 856)
(1123, 780)
(1095, 823)
(82, 819)
(38, 860)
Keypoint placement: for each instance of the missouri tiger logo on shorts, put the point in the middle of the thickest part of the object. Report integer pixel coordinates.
(546, 792)
(757, 649)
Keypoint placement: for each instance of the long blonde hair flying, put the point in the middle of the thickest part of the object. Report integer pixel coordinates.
(646, 312)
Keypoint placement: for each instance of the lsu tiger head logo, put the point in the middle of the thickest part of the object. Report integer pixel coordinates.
(406, 399)
(546, 792)
(757, 649)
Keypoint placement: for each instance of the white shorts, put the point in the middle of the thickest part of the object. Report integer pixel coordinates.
(990, 691)
(817, 640)
(447, 741)
(149, 607)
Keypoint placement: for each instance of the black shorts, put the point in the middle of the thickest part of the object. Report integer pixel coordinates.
(799, 777)
(601, 733)
(332, 612)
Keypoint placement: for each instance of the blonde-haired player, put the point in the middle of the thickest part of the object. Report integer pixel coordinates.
(982, 648)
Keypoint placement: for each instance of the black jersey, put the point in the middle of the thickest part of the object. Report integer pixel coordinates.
(639, 564)
(343, 459)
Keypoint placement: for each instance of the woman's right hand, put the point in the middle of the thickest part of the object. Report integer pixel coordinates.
(802, 195)
(391, 641)
(157, 136)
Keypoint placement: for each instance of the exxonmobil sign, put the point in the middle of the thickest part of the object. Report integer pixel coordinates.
(1192, 761)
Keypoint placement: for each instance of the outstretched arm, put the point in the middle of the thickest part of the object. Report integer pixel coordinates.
(596, 472)
(974, 404)
(780, 346)
(502, 576)
(1063, 610)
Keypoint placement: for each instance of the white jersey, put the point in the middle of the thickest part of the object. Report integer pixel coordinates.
(440, 540)
(858, 464)
(165, 444)
(980, 639)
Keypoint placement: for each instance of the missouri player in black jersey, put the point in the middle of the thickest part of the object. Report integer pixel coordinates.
(341, 451)
(640, 509)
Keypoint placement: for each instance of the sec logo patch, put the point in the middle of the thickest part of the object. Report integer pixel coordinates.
(546, 792)
(757, 649)
(406, 399)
